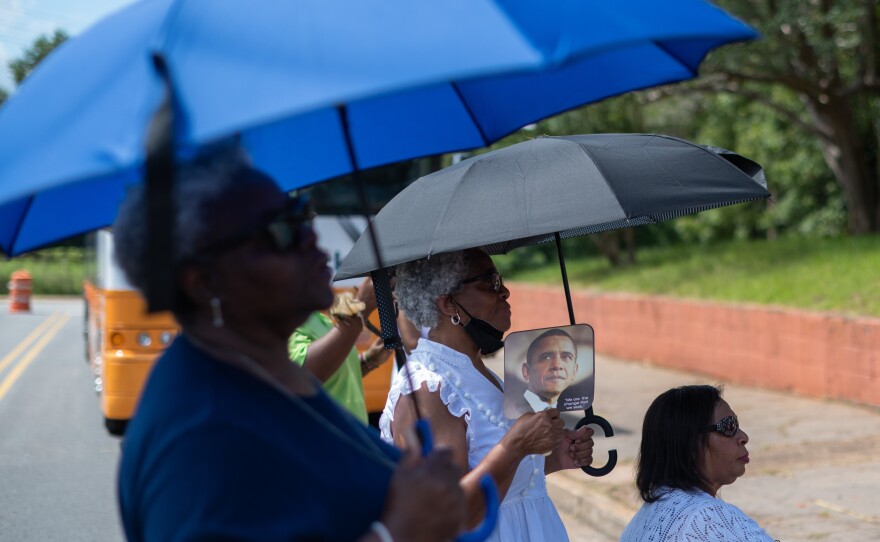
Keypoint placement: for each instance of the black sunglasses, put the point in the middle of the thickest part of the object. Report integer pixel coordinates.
(728, 426)
(284, 232)
(492, 277)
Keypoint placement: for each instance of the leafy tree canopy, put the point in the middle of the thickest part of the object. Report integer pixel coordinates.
(816, 68)
(32, 56)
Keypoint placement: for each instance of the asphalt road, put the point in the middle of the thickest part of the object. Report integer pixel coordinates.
(57, 463)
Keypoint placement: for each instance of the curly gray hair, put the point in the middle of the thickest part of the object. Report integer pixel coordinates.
(421, 282)
(197, 184)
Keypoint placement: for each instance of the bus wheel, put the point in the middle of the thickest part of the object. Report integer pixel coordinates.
(115, 427)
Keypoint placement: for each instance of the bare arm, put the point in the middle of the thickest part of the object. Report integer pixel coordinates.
(533, 433)
(375, 356)
(327, 354)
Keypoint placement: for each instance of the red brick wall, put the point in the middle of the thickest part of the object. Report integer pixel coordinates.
(811, 353)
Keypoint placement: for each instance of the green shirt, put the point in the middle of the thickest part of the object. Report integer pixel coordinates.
(346, 384)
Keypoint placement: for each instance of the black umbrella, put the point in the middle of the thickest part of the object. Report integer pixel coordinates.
(534, 191)
(548, 189)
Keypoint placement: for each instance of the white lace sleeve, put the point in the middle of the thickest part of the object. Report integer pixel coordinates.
(717, 521)
(422, 375)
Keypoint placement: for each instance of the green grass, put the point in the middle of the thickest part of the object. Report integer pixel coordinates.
(54, 271)
(840, 275)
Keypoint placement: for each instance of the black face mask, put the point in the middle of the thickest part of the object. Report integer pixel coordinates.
(486, 336)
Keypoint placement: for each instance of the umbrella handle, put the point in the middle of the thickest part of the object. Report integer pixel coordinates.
(490, 520)
(423, 431)
(591, 419)
(487, 485)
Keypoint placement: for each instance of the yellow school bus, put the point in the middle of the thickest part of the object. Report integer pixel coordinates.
(122, 338)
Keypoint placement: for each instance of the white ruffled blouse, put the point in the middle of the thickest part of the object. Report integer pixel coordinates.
(526, 513)
(692, 516)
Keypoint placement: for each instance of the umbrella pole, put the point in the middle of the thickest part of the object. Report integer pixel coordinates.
(380, 279)
(159, 181)
(564, 277)
(359, 185)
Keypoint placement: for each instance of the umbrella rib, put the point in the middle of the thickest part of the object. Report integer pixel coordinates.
(19, 224)
(678, 59)
(604, 176)
(467, 108)
(715, 155)
(445, 210)
(163, 35)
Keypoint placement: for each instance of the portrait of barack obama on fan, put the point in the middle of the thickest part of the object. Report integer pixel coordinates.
(548, 371)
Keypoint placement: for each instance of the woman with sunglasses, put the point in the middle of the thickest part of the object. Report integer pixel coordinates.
(462, 299)
(231, 440)
(692, 445)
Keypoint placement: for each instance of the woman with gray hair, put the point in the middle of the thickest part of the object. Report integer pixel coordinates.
(462, 299)
(231, 440)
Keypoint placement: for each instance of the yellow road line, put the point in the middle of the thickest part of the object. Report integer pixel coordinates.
(842, 510)
(26, 360)
(34, 335)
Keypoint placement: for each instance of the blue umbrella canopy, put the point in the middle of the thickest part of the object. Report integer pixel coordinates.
(414, 79)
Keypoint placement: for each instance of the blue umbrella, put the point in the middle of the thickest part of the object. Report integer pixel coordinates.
(377, 82)
(299, 80)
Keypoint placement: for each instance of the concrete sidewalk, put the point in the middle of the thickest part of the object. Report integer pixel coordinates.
(814, 472)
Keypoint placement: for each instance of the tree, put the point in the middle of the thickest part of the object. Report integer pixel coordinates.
(32, 56)
(806, 199)
(825, 53)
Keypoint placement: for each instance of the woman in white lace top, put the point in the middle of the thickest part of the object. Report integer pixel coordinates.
(462, 299)
(691, 446)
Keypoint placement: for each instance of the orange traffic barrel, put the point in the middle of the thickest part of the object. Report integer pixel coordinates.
(20, 289)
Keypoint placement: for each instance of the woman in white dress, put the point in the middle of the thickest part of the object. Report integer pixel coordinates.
(691, 446)
(462, 299)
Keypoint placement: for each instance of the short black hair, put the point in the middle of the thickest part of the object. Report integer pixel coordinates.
(673, 440)
(554, 332)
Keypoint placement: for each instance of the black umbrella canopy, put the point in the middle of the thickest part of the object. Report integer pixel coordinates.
(572, 185)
